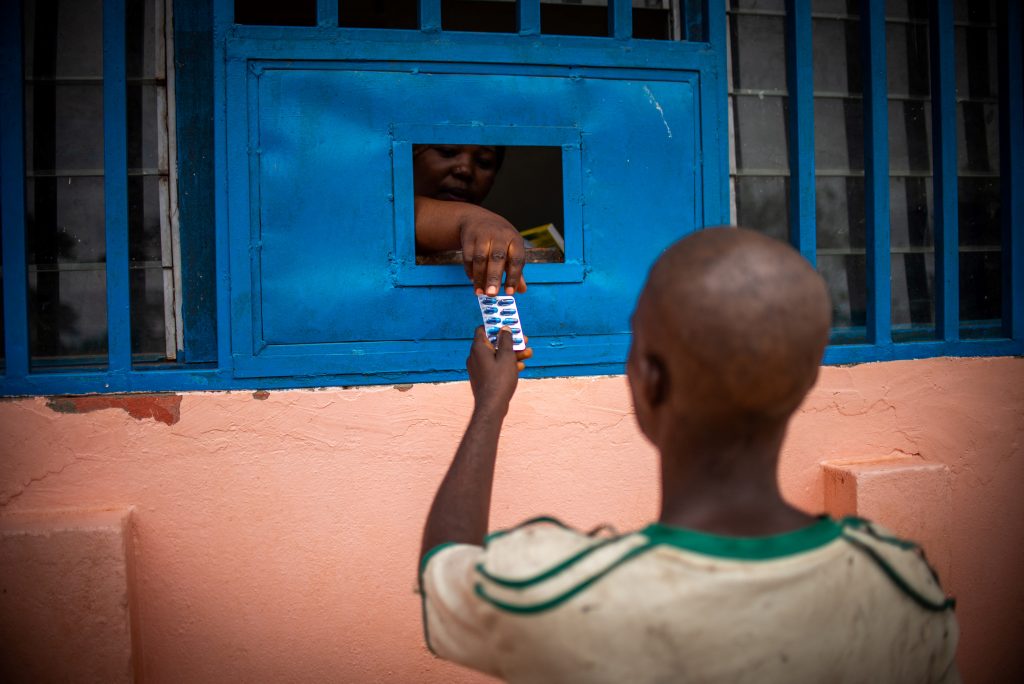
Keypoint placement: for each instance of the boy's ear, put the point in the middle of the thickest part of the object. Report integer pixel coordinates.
(654, 379)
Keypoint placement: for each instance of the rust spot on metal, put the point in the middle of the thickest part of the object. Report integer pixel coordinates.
(261, 395)
(165, 408)
(403, 388)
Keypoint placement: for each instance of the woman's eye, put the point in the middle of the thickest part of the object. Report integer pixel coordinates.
(485, 164)
(447, 152)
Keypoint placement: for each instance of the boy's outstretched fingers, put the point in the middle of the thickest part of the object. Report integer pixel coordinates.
(493, 372)
(504, 343)
(524, 354)
(481, 343)
(504, 353)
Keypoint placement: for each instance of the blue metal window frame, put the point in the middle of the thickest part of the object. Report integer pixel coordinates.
(205, 30)
(247, 47)
(193, 22)
(390, 360)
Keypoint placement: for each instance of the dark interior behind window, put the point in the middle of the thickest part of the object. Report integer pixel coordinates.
(390, 14)
(652, 19)
(275, 12)
(528, 194)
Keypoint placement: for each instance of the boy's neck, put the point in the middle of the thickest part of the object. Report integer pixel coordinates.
(727, 484)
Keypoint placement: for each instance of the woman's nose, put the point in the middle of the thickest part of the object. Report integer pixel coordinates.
(463, 167)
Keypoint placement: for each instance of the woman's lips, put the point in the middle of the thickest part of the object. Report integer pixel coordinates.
(452, 196)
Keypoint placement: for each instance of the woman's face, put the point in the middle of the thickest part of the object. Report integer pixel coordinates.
(457, 173)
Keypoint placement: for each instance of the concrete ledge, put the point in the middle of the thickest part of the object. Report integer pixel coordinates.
(65, 597)
(909, 496)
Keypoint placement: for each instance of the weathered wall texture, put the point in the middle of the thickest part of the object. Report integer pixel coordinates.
(276, 535)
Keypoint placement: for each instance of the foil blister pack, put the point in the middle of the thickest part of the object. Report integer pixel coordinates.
(498, 312)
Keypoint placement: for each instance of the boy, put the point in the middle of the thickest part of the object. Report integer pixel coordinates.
(731, 584)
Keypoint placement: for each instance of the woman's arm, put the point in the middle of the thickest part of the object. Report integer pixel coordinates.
(491, 246)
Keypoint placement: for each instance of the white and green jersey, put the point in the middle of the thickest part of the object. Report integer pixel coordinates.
(838, 601)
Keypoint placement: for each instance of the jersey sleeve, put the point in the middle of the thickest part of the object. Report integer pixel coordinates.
(460, 622)
(455, 620)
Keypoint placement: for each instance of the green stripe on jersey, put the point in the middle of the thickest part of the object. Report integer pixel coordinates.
(816, 535)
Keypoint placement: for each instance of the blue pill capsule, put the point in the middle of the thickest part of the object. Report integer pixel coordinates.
(508, 321)
(493, 320)
(517, 340)
(516, 331)
(488, 300)
(508, 312)
(493, 331)
(505, 302)
(490, 310)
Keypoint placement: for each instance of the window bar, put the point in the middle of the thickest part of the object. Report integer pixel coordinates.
(947, 233)
(620, 19)
(800, 85)
(876, 172)
(528, 17)
(115, 187)
(714, 106)
(1011, 139)
(216, 118)
(327, 13)
(170, 242)
(12, 192)
(430, 15)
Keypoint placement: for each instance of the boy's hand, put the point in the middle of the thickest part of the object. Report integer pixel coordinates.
(491, 248)
(494, 373)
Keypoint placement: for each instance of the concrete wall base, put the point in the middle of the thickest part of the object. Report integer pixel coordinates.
(65, 606)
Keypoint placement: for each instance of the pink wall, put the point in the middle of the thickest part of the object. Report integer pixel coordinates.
(275, 536)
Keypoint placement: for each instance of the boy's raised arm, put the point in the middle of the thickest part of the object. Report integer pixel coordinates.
(461, 507)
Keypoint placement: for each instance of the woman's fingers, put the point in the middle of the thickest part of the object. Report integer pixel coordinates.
(495, 268)
(479, 257)
(514, 261)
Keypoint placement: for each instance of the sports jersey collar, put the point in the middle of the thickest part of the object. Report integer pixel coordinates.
(815, 535)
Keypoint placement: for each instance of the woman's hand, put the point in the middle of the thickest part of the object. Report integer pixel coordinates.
(492, 247)
(494, 373)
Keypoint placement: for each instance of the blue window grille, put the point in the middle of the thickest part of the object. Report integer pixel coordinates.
(796, 179)
(221, 348)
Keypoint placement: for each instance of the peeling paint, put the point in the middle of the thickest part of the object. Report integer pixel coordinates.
(164, 408)
(260, 395)
(403, 388)
(661, 112)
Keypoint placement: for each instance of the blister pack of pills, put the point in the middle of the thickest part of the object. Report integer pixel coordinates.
(499, 311)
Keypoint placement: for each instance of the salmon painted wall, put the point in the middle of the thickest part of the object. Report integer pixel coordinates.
(274, 536)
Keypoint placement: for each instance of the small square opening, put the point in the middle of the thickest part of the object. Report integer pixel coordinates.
(526, 191)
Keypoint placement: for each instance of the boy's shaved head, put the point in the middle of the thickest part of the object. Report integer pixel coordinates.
(733, 325)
